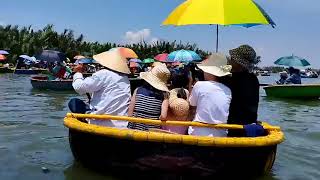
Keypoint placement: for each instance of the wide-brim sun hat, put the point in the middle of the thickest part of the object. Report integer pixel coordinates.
(157, 77)
(217, 65)
(113, 60)
(244, 55)
(178, 106)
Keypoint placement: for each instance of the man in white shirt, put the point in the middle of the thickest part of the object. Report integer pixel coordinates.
(110, 89)
(211, 98)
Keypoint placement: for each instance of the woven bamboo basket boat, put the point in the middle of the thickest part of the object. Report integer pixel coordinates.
(42, 83)
(112, 149)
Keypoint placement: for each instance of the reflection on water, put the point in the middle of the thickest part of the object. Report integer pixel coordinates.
(32, 134)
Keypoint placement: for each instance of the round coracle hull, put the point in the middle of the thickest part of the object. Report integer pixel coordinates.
(294, 91)
(111, 149)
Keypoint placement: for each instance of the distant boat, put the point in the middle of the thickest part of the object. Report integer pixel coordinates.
(29, 71)
(309, 74)
(42, 83)
(297, 91)
(265, 73)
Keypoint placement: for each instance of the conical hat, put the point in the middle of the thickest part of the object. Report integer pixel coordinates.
(113, 60)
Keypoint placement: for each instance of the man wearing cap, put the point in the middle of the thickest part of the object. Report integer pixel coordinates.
(210, 97)
(245, 88)
(110, 89)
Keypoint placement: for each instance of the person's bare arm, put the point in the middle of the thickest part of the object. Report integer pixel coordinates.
(192, 112)
(164, 108)
(132, 104)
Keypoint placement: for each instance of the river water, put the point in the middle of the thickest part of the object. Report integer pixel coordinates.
(32, 135)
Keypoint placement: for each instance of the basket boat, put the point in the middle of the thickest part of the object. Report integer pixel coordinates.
(112, 149)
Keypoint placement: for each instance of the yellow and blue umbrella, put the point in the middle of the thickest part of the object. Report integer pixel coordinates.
(292, 61)
(184, 56)
(220, 12)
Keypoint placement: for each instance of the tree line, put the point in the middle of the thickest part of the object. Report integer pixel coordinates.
(25, 40)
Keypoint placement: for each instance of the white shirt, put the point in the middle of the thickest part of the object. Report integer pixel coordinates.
(110, 95)
(212, 100)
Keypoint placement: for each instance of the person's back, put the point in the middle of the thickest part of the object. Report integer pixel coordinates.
(110, 95)
(178, 110)
(245, 98)
(109, 88)
(245, 88)
(148, 103)
(213, 100)
(295, 78)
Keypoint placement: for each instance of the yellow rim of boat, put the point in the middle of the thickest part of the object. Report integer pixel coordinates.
(275, 135)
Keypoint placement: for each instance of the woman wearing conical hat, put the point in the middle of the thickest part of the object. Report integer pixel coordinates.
(150, 100)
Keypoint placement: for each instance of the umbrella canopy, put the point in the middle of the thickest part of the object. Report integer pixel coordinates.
(26, 57)
(2, 57)
(220, 12)
(51, 56)
(293, 61)
(185, 56)
(162, 57)
(85, 61)
(125, 52)
(135, 60)
(3, 52)
(148, 60)
(79, 57)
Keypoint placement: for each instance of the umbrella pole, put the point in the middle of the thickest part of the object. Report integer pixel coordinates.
(217, 42)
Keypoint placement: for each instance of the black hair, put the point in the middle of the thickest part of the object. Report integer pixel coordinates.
(156, 92)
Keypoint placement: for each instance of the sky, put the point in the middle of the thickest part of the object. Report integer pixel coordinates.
(129, 21)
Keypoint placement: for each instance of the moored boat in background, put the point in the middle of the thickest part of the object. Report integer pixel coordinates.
(293, 91)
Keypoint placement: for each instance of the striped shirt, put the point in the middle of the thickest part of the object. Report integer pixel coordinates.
(148, 105)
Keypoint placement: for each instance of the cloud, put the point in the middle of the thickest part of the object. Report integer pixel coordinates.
(140, 36)
(2, 23)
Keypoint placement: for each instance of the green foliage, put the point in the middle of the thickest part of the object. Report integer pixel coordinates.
(27, 41)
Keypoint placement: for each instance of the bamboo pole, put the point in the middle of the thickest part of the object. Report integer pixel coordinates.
(164, 123)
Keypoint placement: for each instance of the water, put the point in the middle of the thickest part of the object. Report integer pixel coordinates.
(32, 134)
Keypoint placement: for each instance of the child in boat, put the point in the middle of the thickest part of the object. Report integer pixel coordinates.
(178, 104)
(210, 97)
(151, 100)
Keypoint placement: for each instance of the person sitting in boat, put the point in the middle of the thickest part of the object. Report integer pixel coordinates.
(61, 71)
(295, 77)
(210, 98)
(151, 100)
(283, 77)
(245, 88)
(178, 103)
(110, 89)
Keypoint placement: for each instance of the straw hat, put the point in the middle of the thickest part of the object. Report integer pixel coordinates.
(178, 106)
(156, 64)
(113, 60)
(157, 77)
(217, 65)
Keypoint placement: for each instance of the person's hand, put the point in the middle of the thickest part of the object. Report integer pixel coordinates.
(79, 68)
